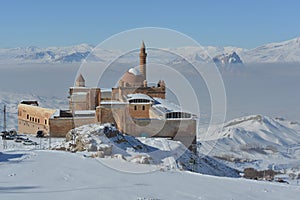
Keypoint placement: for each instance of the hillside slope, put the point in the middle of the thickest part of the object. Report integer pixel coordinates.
(259, 140)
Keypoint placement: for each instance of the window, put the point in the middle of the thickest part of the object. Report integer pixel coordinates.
(143, 107)
(27, 116)
(38, 120)
(135, 107)
(45, 121)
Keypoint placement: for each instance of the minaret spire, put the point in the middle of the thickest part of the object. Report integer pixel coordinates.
(143, 56)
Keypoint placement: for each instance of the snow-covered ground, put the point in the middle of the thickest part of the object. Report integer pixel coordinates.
(256, 141)
(129, 168)
(37, 174)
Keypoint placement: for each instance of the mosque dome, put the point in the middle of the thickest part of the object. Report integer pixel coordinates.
(134, 71)
(132, 78)
(136, 76)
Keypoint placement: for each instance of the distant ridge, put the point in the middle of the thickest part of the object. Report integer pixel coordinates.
(279, 52)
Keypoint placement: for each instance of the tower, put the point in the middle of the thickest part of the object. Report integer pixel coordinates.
(80, 82)
(143, 56)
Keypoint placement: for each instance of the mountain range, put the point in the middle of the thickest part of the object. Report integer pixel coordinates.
(256, 141)
(279, 52)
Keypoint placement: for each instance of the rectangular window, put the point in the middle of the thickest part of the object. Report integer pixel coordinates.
(135, 107)
(143, 107)
(27, 116)
(45, 122)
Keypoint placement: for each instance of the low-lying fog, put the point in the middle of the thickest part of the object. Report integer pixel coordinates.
(268, 89)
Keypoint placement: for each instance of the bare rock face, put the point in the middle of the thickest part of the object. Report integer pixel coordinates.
(91, 147)
(118, 156)
(105, 148)
(69, 136)
(228, 59)
(98, 154)
(142, 159)
(88, 140)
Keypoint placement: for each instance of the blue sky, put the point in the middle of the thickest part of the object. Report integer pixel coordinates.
(210, 22)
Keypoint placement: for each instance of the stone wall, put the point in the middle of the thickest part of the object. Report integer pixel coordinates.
(159, 92)
(183, 130)
(85, 99)
(59, 127)
(33, 118)
(139, 110)
(104, 115)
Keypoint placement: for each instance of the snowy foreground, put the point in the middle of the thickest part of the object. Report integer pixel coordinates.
(43, 174)
(33, 172)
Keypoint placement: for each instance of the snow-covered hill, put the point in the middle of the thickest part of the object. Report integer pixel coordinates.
(282, 52)
(100, 141)
(49, 175)
(279, 52)
(257, 141)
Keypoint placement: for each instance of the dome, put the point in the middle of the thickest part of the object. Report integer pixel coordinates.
(130, 79)
(134, 71)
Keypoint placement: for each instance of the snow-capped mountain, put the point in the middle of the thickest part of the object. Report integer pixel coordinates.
(287, 51)
(45, 55)
(227, 59)
(259, 141)
(279, 52)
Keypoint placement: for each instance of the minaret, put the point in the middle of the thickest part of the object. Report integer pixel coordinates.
(143, 56)
(80, 82)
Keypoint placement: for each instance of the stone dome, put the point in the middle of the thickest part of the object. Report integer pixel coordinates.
(134, 71)
(132, 78)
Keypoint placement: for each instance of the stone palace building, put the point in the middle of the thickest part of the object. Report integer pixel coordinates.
(133, 107)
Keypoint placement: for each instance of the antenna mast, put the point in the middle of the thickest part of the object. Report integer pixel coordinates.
(4, 118)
